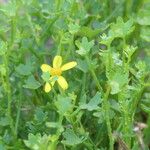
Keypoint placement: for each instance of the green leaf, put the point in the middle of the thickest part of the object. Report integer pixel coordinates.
(117, 80)
(31, 83)
(116, 59)
(40, 116)
(82, 65)
(2, 146)
(143, 17)
(66, 38)
(106, 40)
(71, 138)
(7, 137)
(141, 66)
(87, 31)
(114, 105)
(121, 28)
(63, 104)
(3, 28)
(93, 103)
(55, 125)
(129, 50)
(46, 76)
(37, 142)
(100, 115)
(145, 108)
(115, 87)
(73, 28)
(24, 69)
(4, 121)
(84, 46)
(9, 9)
(52, 124)
(3, 48)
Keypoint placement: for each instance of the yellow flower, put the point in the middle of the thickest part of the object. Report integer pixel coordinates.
(56, 71)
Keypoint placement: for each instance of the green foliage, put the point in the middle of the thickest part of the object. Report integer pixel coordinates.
(45, 76)
(64, 105)
(3, 48)
(84, 46)
(121, 28)
(93, 103)
(24, 69)
(71, 138)
(37, 142)
(31, 83)
(107, 102)
(73, 28)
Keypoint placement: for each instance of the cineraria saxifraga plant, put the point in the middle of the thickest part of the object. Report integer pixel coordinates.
(99, 56)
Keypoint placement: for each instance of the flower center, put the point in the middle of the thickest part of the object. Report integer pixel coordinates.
(56, 71)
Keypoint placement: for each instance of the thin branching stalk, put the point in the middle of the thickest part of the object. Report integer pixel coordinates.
(18, 110)
(9, 95)
(58, 133)
(124, 102)
(107, 118)
(106, 104)
(126, 117)
(93, 74)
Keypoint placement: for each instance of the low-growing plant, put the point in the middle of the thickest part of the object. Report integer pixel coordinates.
(74, 75)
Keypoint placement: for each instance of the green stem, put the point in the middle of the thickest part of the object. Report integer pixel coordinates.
(83, 85)
(53, 145)
(135, 101)
(13, 31)
(123, 54)
(59, 41)
(47, 29)
(93, 74)
(106, 107)
(126, 115)
(19, 110)
(70, 50)
(106, 104)
(32, 28)
(128, 8)
(127, 125)
(9, 98)
(58, 4)
(114, 12)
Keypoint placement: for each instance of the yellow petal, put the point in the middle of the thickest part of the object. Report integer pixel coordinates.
(45, 68)
(62, 82)
(57, 61)
(47, 87)
(68, 65)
